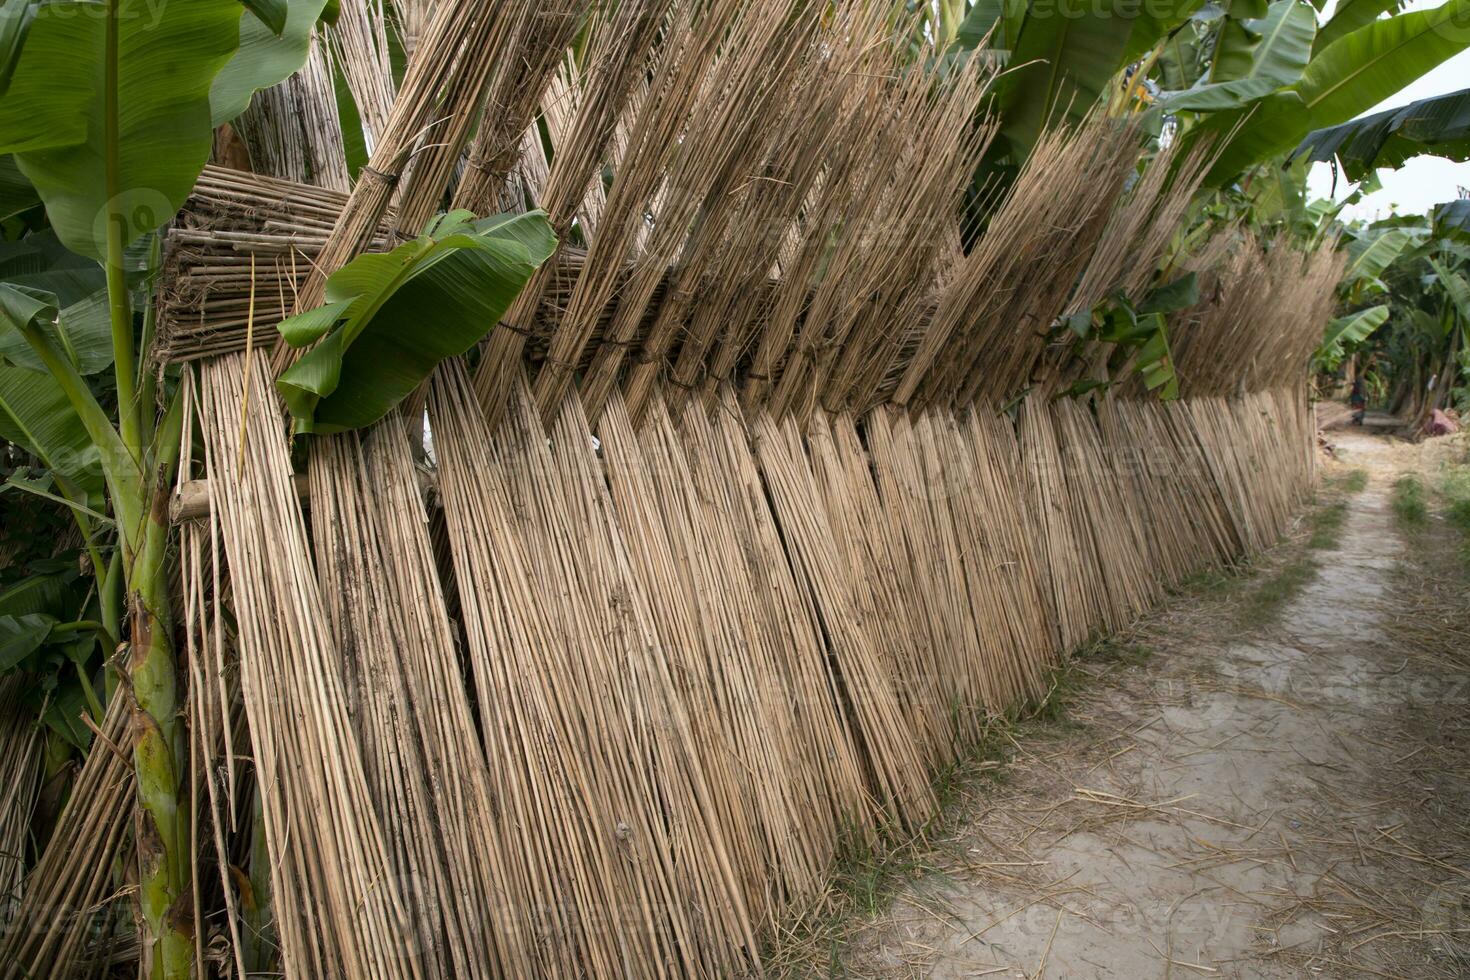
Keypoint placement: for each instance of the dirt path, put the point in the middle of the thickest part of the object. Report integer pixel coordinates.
(1266, 780)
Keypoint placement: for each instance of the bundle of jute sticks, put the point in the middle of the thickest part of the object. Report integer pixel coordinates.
(769, 493)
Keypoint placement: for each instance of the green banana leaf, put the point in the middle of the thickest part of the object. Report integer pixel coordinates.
(1235, 41)
(83, 332)
(1351, 329)
(1252, 133)
(1060, 64)
(1455, 287)
(1343, 79)
(55, 121)
(997, 19)
(40, 261)
(1350, 15)
(43, 590)
(1155, 21)
(20, 636)
(16, 193)
(1370, 257)
(267, 54)
(65, 704)
(1181, 60)
(1430, 328)
(1374, 62)
(1140, 339)
(1277, 58)
(16, 17)
(1156, 365)
(1439, 125)
(391, 317)
(271, 13)
(36, 415)
(35, 412)
(1180, 294)
(1452, 220)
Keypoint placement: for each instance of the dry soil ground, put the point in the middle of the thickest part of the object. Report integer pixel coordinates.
(1268, 778)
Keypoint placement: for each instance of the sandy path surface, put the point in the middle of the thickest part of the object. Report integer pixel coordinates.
(1224, 796)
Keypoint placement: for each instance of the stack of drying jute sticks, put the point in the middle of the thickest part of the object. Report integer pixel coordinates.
(764, 500)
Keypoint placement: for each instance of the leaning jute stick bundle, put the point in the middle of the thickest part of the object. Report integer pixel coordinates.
(705, 877)
(61, 906)
(864, 691)
(735, 697)
(397, 662)
(412, 713)
(341, 907)
(1011, 544)
(1078, 600)
(218, 738)
(463, 42)
(999, 575)
(1122, 566)
(919, 532)
(1199, 487)
(20, 780)
(883, 588)
(976, 561)
(1295, 402)
(777, 699)
(1274, 426)
(576, 649)
(567, 873)
(1138, 467)
(729, 485)
(627, 50)
(1214, 425)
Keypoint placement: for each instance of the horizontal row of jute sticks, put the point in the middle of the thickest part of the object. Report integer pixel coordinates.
(663, 674)
(630, 689)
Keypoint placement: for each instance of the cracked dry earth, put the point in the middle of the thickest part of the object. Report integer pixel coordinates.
(1286, 799)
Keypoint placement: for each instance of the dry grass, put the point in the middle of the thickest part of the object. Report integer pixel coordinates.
(62, 918)
(20, 757)
(785, 216)
(1429, 502)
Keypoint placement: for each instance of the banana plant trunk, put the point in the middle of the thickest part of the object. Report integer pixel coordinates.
(162, 827)
(140, 489)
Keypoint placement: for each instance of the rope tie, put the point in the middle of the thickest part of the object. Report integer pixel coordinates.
(390, 179)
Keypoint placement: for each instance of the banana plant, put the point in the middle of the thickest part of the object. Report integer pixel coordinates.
(1344, 331)
(1416, 269)
(51, 621)
(1357, 70)
(1252, 58)
(1251, 76)
(366, 348)
(106, 118)
(1439, 126)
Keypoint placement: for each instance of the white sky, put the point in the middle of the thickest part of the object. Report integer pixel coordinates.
(1425, 180)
